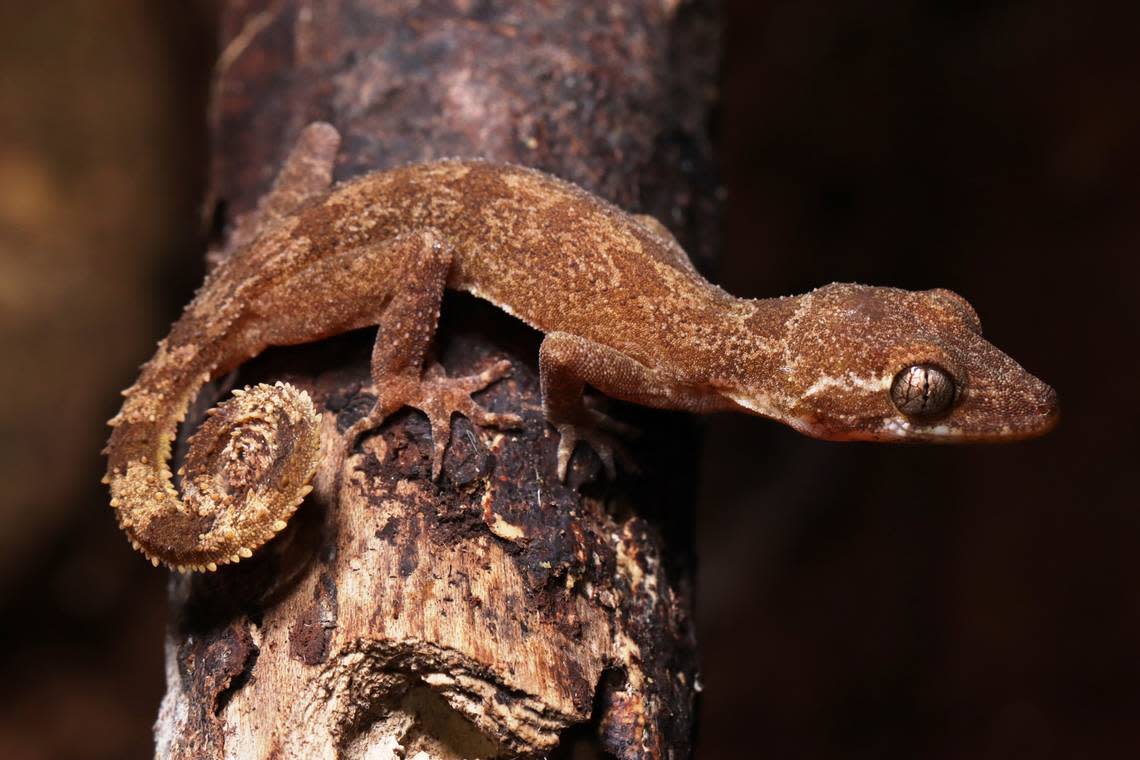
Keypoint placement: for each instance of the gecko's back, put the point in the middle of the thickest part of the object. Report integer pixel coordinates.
(544, 250)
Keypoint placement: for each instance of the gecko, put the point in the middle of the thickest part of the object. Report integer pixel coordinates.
(621, 307)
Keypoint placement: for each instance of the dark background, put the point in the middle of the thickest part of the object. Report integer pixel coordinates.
(854, 600)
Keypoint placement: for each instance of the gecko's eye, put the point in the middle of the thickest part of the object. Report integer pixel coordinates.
(923, 390)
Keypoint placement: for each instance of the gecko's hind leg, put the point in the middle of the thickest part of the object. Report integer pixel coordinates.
(305, 174)
(566, 363)
(406, 327)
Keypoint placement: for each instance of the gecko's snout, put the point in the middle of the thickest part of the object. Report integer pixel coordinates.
(1047, 412)
(994, 413)
(1016, 404)
(1009, 406)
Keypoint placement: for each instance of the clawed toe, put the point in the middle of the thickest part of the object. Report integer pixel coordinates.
(496, 371)
(438, 397)
(603, 421)
(481, 416)
(443, 398)
(608, 447)
(368, 422)
(435, 375)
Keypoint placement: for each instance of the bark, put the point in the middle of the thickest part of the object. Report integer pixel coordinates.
(498, 612)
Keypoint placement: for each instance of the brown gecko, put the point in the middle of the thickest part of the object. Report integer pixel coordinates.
(622, 308)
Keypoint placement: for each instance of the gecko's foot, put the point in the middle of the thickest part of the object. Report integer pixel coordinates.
(437, 396)
(603, 434)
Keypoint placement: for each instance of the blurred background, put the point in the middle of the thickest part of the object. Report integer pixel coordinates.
(854, 600)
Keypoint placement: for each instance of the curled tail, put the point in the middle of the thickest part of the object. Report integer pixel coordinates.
(246, 472)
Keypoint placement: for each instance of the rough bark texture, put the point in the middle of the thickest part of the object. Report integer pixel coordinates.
(497, 612)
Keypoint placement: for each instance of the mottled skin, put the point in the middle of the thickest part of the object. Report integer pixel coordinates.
(620, 304)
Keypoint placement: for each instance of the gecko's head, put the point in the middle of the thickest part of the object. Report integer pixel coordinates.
(867, 363)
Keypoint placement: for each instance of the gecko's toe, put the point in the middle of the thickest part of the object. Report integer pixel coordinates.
(567, 440)
(609, 449)
(607, 456)
(440, 437)
(610, 425)
(368, 422)
(496, 371)
(439, 397)
(482, 416)
(595, 408)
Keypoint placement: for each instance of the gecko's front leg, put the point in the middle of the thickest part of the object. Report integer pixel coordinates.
(566, 363)
(406, 326)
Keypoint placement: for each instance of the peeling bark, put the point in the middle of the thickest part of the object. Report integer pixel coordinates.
(491, 613)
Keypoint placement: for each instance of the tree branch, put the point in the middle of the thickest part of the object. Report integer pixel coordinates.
(486, 614)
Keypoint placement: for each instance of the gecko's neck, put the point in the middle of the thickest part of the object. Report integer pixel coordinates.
(748, 361)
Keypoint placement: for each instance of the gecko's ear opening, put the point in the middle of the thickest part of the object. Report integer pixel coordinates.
(960, 306)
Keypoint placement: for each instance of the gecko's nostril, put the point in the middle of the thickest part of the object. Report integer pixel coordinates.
(1049, 408)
